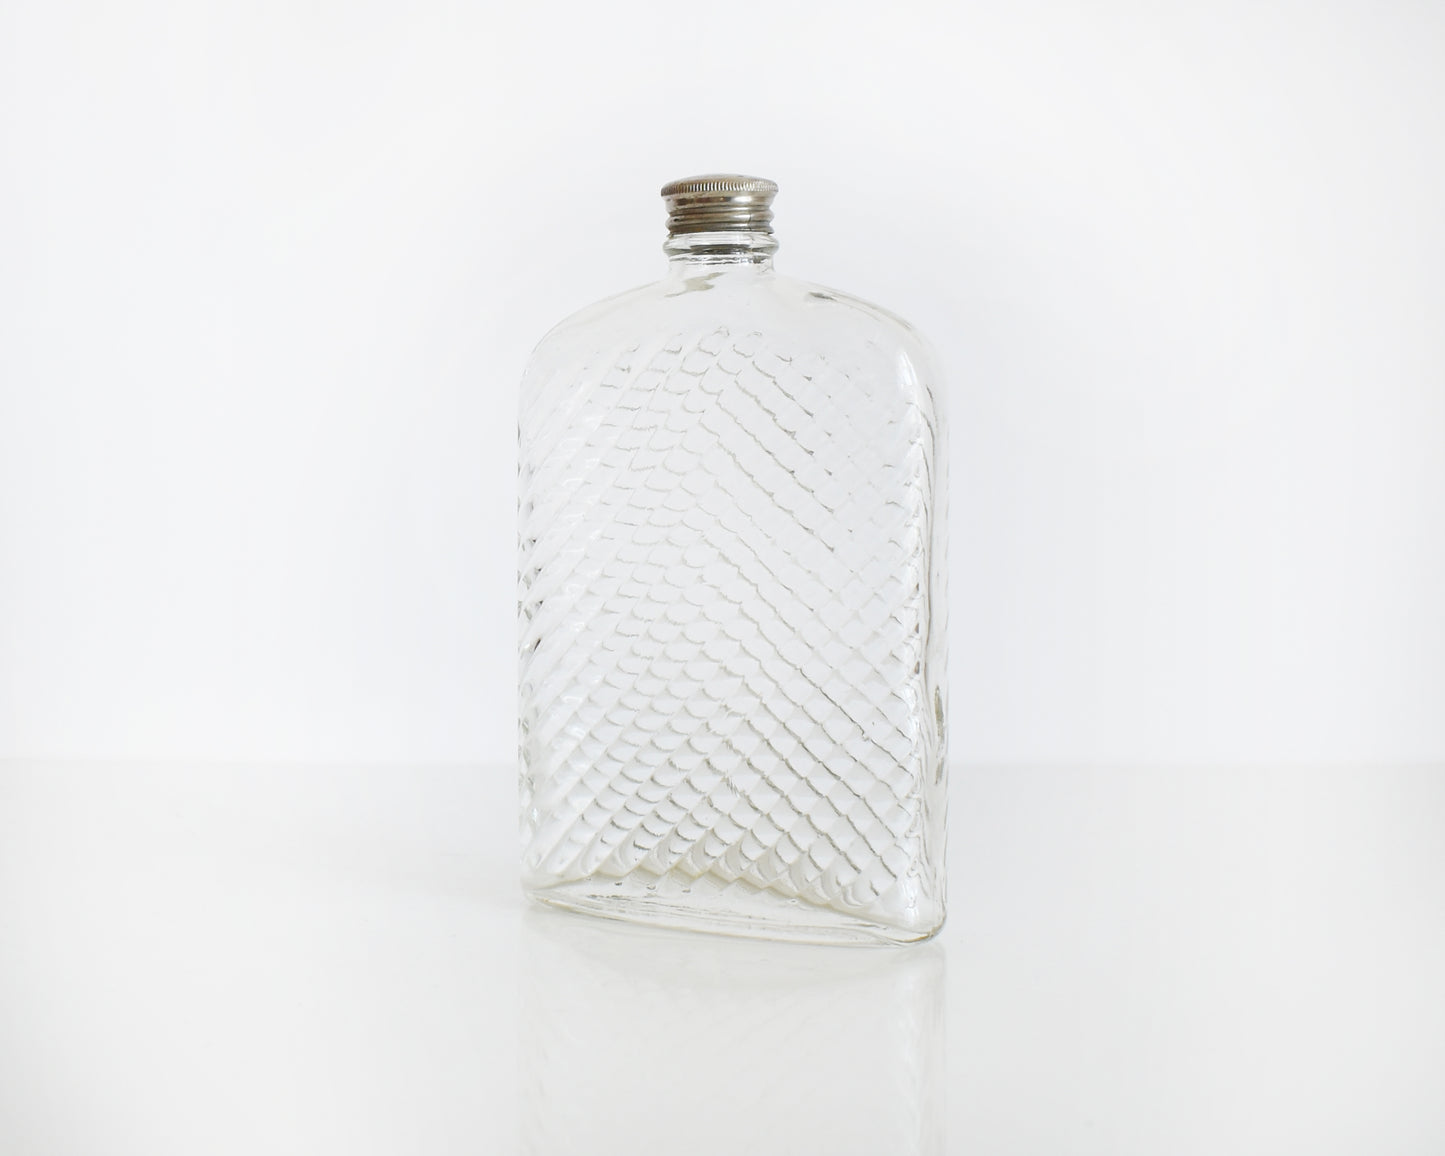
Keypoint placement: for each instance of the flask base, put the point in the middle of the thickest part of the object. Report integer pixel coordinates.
(724, 909)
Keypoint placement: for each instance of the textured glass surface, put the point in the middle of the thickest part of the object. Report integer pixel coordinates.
(731, 599)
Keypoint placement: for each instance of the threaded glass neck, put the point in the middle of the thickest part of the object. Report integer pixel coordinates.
(720, 219)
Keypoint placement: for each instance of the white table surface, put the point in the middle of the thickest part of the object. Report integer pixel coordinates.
(213, 959)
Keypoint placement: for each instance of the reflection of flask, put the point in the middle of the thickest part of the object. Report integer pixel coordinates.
(635, 1040)
(731, 549)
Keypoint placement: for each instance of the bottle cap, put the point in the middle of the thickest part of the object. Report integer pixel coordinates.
(719, 203)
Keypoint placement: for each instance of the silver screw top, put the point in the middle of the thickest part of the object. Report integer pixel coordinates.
(719, 203)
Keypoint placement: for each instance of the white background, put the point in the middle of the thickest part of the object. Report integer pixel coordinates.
(269, 274)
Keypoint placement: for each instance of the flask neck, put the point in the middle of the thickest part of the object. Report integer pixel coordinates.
(719, 223)
(720, 252)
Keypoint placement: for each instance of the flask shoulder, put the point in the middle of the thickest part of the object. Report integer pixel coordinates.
(590, 323)
(580, 348)
(872, 322)
(795, 320)
(844, 323)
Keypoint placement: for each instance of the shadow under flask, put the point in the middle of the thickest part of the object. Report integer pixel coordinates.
(731, 599)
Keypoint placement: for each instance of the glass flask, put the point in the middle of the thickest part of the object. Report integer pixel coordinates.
(731, 599)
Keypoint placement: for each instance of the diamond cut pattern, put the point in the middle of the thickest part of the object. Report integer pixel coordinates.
(726, 648)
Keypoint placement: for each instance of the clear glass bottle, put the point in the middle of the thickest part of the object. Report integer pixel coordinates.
(732, 608)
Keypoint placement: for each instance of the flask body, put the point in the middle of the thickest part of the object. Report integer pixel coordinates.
(732, 612)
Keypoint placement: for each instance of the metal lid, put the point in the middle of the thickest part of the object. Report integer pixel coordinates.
(719, 203)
